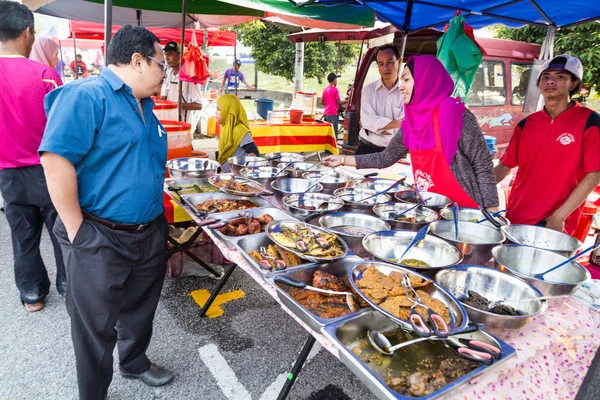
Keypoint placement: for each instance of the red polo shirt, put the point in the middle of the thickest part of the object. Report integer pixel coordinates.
(553, 156)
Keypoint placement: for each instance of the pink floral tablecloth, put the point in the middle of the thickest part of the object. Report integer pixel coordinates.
(554, 351)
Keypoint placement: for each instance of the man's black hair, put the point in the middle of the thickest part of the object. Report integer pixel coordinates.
(392, 47)
(14, 19)
(128, 41)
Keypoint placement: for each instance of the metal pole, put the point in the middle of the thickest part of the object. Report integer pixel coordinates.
(205, 41)
(62, 59)
(75, 54)
(299, 67)
(404, 38)
(138, 15)
(337, 62)
(108, 17)
(180, 83)
(236, 78)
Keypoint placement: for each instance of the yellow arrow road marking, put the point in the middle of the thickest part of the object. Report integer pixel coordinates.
(201, 297)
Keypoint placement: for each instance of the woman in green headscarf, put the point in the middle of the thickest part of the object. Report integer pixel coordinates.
(235, 139)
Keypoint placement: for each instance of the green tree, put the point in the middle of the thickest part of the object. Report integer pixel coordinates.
(274, 54)
(582, 41)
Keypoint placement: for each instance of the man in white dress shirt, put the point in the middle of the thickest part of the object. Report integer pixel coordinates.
(382, 104)
(192, 93)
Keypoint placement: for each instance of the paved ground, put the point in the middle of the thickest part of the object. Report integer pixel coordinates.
(245, 354)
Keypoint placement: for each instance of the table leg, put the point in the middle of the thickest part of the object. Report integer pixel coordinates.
(296, 368)
(217, 290)
(177, 247)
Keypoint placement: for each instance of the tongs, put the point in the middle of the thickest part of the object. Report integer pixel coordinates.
(220, 223)
(266, 265)
(439, 328)
(301, 244)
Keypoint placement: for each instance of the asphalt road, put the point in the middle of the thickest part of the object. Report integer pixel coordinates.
(244, 354)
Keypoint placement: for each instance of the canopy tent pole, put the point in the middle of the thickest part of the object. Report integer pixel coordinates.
(299, 67)
(181, 46)
(138, 16)
(546, 53)
(237, 78)
(62, 59)
(337, 62)
(108, 17)
(75, 54)
(403, 49)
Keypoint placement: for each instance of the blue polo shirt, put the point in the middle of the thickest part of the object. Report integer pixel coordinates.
(95, 123)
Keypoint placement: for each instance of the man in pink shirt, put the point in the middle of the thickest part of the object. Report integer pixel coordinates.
(22, 184)
(331, 100)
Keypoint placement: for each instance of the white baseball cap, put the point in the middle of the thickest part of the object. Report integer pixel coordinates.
(566, 62)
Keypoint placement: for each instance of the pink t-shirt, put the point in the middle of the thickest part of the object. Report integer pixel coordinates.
(23, 85)
(330, 98)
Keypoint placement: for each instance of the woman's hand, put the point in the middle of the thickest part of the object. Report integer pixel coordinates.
(332, 161)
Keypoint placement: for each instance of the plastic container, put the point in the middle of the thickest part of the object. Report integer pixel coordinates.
(585, 221)
(491, 143)
(212, 128)
(296, 116)
(165, 110)
(213, 94)
(199, 154)
(179, 139)
(263, 106)
(306, 102)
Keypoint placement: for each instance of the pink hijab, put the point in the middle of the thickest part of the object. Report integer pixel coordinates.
(433, 87)
(44, 50)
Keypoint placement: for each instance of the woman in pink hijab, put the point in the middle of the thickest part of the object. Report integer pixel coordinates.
(448, 152)
(45, 51)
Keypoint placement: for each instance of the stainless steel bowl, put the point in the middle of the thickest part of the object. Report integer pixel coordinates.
(437, 201)
(389, 246)
(543, 238)
(525, 261)
(377, 184)
(292, 202)
(285, 186)
(296, 169)
(493, 285)
(423, 214)
(190, 167)
(237, 163)
(351, 195)
(331, 182)
(475, 241)
(263, 175)
(353, 227)
(471, 215)
(285, 158)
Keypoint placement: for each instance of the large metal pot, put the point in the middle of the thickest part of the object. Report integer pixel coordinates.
(437, 201)
(475, 241)
(353, 227)
(423, 215)
(389, 245)
(190, 167)
(292, 203)
(286, 186)
(471, 215)
(493, 285)
(263, 175)
(352, 199)
(296, 169)
(543, 238)
(331, 182)
(274, 158)
(377, 184)
(237, 163)
(525, 261)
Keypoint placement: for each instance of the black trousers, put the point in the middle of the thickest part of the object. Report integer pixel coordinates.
(114, 283)
(28, 207)
(367, 148)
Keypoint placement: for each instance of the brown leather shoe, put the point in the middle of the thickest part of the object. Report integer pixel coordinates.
(33, 307)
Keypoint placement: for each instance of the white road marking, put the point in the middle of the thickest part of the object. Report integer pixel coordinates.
(223, 374)
(274, 388)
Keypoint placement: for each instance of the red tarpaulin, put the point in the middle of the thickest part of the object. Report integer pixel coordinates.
(216, 37)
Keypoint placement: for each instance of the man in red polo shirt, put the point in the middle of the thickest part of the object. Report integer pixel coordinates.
(557, 150)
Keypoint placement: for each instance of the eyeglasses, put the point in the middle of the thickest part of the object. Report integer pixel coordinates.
(161, 63)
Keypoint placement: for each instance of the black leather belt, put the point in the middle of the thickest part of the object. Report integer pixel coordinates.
(117, 226)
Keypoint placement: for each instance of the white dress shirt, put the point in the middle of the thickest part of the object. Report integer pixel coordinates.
(192, 93)
(378, 107)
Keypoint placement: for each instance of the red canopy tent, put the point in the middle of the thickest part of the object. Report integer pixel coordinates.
(216, 37)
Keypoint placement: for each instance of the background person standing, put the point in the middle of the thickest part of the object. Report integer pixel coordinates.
(105, 167)
(22, 121)
(233, 77)
(331, 100)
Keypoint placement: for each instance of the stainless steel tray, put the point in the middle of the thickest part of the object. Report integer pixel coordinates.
(258, 188)
(193, 199)
(246, 244)
(276, 213)
(345, 333)
(458, 314)
(305, 274)
(275, 227)
(187, 185)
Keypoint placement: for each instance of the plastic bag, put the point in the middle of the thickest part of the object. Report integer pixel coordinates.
(195, 64)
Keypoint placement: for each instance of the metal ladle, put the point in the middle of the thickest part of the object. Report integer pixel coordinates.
(540, 276)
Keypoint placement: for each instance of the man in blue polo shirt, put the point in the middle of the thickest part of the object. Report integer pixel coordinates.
(105, 166)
